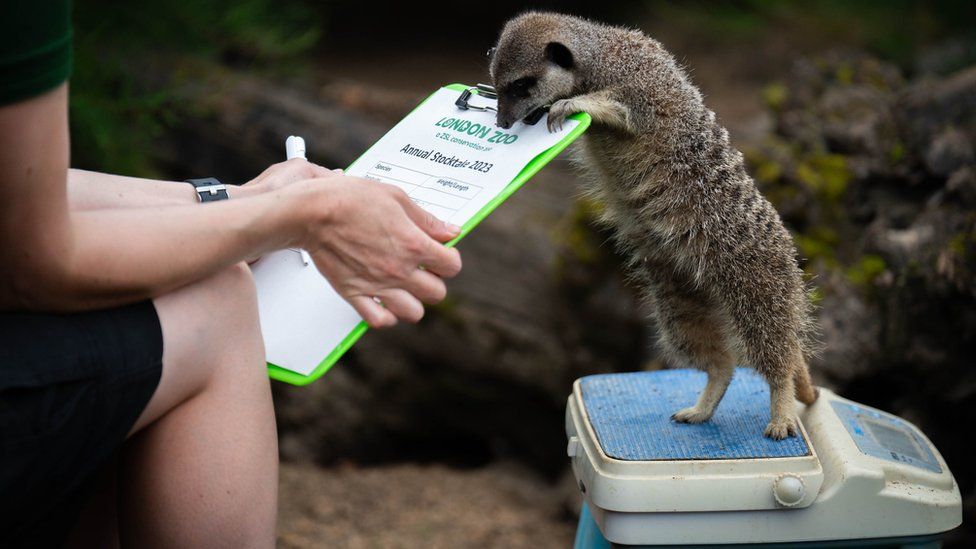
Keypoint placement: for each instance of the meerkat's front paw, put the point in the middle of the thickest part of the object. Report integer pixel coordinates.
(558, 113)
(691, 415)
(780, 428)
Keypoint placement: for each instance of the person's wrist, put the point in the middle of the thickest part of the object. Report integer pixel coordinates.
(244, 191)
(312, 205)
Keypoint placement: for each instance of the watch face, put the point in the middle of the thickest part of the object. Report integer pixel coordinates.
(212, 194)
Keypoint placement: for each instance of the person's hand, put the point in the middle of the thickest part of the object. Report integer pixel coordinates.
(379, 250)
(277, 176)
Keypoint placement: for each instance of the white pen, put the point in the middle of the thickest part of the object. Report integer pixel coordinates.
(295, 148)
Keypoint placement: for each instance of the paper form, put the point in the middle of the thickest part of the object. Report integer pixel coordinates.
(451, 162)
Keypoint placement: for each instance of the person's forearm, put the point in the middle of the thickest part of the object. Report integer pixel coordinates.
(122, 255)
(58, 258)
(96, 191)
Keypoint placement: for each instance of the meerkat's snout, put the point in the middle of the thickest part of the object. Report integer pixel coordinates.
(507, 118)
(516, 100)
(503, 121)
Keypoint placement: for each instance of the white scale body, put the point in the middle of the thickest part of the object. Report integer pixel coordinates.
(868, 475)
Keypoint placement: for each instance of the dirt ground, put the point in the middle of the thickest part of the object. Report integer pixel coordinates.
(412, 505)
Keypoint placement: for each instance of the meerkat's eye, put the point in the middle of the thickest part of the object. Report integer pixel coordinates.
(490, 53)
(520, 88)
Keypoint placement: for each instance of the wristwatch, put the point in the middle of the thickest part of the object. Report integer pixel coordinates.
(209, 189)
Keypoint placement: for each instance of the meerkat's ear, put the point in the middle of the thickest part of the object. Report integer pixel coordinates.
(559, 54)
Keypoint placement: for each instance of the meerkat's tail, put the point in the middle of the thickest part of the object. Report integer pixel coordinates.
(806, 391)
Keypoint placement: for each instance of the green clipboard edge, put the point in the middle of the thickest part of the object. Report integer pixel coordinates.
(533, 167)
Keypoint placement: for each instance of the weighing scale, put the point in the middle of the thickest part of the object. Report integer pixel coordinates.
(853, 477)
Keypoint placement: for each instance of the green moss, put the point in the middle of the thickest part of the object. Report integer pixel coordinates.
(958, 244)
(866, 269)
(845, 74)
(578, 237)
(897, 152)
(818, 244)
(768, 171)
(826, 174)
(775, 95)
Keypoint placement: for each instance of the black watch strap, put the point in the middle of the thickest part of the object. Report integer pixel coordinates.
(209, 189)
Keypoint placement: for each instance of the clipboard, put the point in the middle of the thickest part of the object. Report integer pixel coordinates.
(465, 94)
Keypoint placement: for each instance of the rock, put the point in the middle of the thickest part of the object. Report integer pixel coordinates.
(950, 150)
(962, 184)
(930, 106)
(851, 328)
(891, 244)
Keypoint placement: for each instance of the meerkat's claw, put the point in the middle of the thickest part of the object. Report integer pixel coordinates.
(778, 429)
(558, 113)
(691, 415)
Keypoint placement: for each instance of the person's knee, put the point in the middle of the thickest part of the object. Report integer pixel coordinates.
(208, 326)
(233, 294)
(235, 317)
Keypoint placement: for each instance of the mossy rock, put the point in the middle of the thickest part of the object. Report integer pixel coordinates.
(827, 174)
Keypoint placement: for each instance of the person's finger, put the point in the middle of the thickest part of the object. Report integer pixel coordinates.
(443, 261)
(435, 228)
(402, 304)
(426, 287)
(372, 312)
(300, 168)
(321, 171)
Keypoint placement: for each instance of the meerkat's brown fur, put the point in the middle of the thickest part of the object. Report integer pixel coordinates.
(708, 251)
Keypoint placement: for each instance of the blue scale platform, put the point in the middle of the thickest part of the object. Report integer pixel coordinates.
(631, 415)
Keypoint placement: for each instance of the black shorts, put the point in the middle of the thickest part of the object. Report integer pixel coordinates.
(71, 388)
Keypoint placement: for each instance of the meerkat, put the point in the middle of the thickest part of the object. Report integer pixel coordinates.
(708, 252)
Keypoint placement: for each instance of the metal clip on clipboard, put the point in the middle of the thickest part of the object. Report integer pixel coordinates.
(485, 90)
(464, 102)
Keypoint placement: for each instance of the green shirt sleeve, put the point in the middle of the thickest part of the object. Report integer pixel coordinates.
(35, 47)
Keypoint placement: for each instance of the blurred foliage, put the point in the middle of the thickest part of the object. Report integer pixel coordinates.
(869, 267)
(116, 115)
(826, 174)
(893, 29)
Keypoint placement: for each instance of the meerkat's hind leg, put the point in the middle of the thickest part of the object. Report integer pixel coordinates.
(690, 333)
(781, 372)
(719, 377)
(782, 421)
